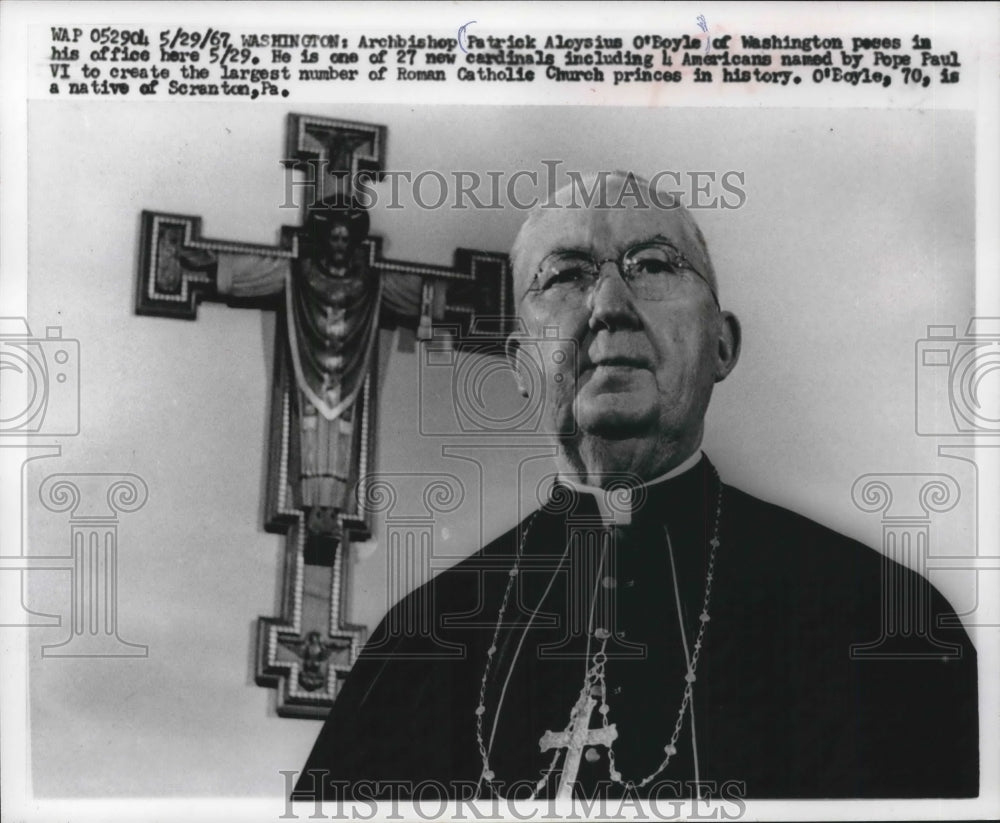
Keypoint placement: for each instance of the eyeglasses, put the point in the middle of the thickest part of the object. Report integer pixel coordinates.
(652, 271)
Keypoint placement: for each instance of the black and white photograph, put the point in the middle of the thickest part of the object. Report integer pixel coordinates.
(500, 411)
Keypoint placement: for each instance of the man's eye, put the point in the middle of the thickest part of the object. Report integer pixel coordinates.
(569, 274)
(564, 275)
(653, 266)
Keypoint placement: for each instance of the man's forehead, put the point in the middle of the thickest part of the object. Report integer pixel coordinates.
(601, 229)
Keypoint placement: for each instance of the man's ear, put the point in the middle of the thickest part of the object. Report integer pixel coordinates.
(512, 348)
(730, 341)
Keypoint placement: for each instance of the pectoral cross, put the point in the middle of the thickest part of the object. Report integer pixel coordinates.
(178, 268)
(575, 739)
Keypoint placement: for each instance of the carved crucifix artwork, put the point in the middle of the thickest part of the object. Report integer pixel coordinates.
(332, 291)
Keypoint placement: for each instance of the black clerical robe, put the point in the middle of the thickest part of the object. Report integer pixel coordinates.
(800, 692)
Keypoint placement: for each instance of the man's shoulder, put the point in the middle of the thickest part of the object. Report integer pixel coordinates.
(492, 560)
(769, 535)
(463, 582)
(768, 527)
(793, 558)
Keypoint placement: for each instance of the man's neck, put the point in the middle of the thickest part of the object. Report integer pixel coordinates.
(617, 511)
(593, 461)
(688, 463)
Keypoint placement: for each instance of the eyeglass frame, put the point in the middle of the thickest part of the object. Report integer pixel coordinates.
(683, 262)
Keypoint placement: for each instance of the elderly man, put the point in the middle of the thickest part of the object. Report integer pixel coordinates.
(650, 631)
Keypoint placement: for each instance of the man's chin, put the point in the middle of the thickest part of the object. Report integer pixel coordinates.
(616, 420)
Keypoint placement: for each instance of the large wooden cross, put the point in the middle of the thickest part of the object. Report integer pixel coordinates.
(306, 652)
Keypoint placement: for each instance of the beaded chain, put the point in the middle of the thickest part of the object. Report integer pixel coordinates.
(487, 774)
(594, 680)
(671, 748)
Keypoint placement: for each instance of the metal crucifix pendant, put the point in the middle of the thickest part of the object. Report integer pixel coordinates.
(577, 737)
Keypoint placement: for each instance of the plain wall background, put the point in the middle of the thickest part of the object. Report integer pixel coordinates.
(858, 233)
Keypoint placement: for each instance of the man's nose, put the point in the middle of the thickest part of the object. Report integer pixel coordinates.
(611, 300)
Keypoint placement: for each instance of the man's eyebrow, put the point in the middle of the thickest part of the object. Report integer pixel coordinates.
(652, 239)
(563, 248)
(621, 246)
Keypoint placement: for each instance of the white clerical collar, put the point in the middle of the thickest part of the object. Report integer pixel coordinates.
(619, 512)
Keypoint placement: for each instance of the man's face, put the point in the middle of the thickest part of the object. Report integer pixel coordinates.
(338, 241)
(642, 368)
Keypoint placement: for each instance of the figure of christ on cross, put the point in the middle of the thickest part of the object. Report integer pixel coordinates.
(332, 302)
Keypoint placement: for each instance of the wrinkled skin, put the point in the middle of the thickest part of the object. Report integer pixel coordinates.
(627, 382)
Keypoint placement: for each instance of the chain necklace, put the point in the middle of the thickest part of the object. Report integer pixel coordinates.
(594, 680)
